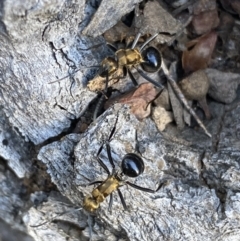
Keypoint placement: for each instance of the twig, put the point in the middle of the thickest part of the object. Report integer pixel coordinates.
(182, 97)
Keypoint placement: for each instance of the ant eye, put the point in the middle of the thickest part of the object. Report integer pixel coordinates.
(132, 165)
(152, 60)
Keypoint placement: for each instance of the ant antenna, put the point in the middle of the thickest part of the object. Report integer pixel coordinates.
(148, 41)
(136, 40)
(108, 150)
(146, 77)
(136, 147)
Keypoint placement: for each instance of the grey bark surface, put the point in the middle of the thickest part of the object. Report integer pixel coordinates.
(42, 41)
(12, 203)
(14, 149)
(8, 233)
(190, 200)
(41, 44)
(108, 14)
(154, 13)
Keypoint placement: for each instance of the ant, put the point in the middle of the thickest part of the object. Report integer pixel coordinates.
(132, 166)
(149, 59)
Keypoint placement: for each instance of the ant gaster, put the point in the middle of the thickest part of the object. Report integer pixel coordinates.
(132, 166)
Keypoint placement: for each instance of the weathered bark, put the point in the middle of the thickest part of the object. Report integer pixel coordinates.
(12, 202)
(41, 44)
(10, 234)
(198, 200)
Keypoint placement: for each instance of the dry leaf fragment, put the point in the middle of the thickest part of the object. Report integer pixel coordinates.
(205, 16)
(202, 6)
(140, 100)
(225, 27)
(236, 6)
(199, 54)
(155, 19)
(205, 21)
(229, 34)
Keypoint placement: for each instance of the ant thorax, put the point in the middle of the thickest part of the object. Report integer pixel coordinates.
(128, 57)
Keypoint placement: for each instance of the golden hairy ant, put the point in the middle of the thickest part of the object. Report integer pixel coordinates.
(150, 60)
(132, 165)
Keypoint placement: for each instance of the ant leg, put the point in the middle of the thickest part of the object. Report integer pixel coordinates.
(101, 162)
(149, 79)
(125, 71)
(108, 150)
(98, 106)
(102, 98)
(136, 40)
(103, 165)
(122, 199)
(95, 182)
(143, 188)
(113, 129)
(108, 145)
(110, 155)
(112, 47)
(135, 83)
(110, 203)
(148, 41)
(136, 148)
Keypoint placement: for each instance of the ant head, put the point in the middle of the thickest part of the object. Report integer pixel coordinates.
(108, 67)
(132, 165)
(152, 60)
